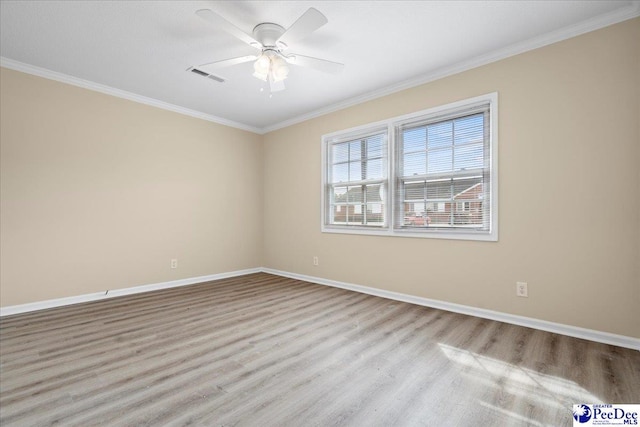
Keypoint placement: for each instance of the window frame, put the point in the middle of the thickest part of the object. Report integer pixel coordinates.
(391, 210)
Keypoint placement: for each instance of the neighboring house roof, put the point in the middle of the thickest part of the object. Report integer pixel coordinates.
(372, 196)
(467, 190)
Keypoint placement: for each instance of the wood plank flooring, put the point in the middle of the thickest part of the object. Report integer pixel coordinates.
(262, 350)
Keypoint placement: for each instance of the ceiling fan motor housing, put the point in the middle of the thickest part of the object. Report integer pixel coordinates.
(268, 33)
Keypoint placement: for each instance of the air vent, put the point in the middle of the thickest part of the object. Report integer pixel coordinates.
(205, 74)
(202, 73)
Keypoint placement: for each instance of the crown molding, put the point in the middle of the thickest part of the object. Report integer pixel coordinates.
(619, 15)
(108, 90)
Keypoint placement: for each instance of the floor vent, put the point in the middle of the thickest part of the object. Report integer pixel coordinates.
(205, 74)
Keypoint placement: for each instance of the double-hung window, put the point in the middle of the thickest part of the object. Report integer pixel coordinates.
(443, 172)
(428, 174)
(356, 184)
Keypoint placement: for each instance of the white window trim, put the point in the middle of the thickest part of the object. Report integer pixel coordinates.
(390, 124)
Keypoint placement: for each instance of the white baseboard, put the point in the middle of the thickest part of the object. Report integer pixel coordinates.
(558, 328)
(59, 302)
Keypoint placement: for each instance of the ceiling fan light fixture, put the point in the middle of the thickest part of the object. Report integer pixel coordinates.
(270, 66)
(279, 69)
(262, 64)
(261, 67)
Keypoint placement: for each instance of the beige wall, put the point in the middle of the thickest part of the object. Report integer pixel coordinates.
(100, 193)
(569, 149)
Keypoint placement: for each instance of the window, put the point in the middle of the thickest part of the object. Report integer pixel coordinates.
(427, 174)
(443, 169)
(356, 183)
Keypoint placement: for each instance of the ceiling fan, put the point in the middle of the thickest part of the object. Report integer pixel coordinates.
(271, 40)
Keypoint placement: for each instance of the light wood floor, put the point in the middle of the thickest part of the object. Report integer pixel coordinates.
(262, 350)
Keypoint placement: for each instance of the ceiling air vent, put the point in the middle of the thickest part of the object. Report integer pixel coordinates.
(205, 74)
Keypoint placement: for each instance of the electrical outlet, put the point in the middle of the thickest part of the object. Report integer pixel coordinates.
(521, 289)
(315, 260)
(174, 263)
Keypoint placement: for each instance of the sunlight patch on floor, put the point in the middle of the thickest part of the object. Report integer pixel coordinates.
(552, 391)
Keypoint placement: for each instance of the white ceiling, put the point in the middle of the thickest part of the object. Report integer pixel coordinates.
(142, 49)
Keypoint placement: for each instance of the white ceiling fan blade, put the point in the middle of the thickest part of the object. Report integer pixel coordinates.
(219, 22)
(315, 63)
(310, 21)
(226, 63)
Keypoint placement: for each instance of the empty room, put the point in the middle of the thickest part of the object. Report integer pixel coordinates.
(319, 213)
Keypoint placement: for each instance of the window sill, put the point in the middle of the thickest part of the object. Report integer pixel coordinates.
(431, 234)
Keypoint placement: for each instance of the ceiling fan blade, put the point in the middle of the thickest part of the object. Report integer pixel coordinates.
(219, 22)
(226, 63)
(315, 63)
(310, 21)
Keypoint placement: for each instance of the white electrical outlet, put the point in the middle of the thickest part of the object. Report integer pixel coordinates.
(315, 260)
(174, 263)
(521, 289)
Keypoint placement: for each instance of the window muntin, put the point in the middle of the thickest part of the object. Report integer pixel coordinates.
(428, 174)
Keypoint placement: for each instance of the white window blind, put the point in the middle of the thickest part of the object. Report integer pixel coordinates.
(356, 187)
(443, 172)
